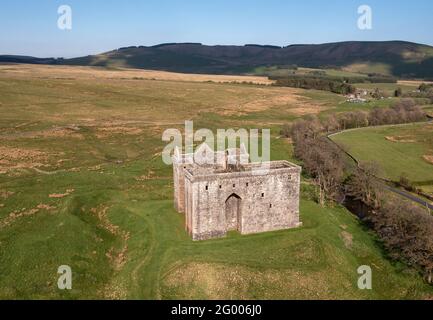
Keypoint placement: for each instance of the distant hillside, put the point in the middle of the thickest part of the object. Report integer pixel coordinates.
(25, 59)
(398, 58)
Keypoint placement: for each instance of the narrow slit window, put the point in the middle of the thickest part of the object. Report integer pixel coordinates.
(263, 195)
(207, 188)
(270, 206)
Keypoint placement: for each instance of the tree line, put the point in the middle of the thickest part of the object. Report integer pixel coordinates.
(317, 83)
(404, 228)
(319, 80)
(402, 111)
(424, 91)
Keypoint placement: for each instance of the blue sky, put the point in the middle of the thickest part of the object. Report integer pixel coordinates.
(30, 27)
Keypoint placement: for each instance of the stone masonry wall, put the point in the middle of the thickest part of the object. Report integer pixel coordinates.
(179, 185)
(266, 203)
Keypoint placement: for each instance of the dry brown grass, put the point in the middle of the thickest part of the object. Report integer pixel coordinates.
(4, 194)
(78, 72)
(347, 239)
(61, 195)
(16, 154)
(402, 139)
(428, 158)
(18, 158)
(44, 134)
(381, 68)
(104, 132)
(219, 281)
(90, 96)
(275, 98)
(414, 83)
(57, 133)
(117, 257)
(24, 212)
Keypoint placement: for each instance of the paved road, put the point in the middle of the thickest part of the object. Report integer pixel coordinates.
(410, 196)
(402, 193)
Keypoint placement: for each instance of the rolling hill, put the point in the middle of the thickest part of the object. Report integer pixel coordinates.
(397, 58)
(26, 59)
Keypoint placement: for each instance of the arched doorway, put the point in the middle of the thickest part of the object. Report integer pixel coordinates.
(233, 212)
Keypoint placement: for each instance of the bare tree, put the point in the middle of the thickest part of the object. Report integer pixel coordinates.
(406, 230)
(324, 162)
(331, 124)
(364, 185)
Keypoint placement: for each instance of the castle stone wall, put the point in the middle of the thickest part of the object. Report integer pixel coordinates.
(218, 203)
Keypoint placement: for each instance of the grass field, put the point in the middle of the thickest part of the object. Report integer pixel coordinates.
(281, 71)
(387, 88)
(82, 184)
(83, 73)
(399, 150)
(366, 68)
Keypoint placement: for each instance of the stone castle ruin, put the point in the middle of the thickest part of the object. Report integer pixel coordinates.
(225, 192)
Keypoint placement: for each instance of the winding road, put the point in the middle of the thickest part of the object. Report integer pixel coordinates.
(410, 196)
(385, 182)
